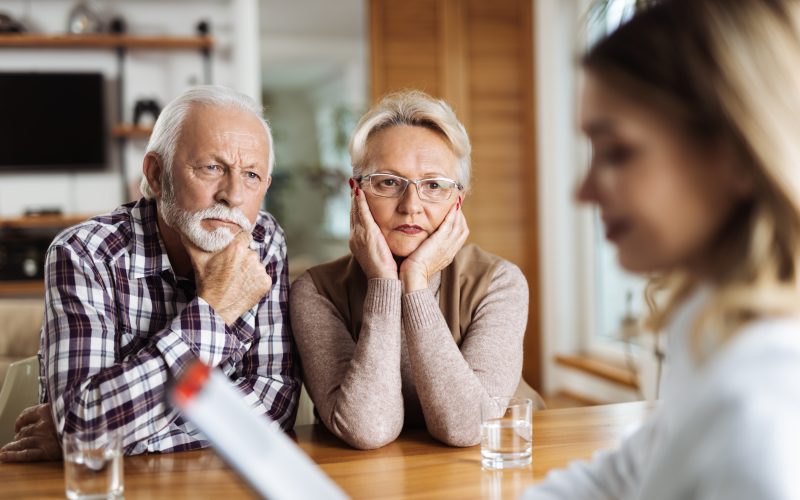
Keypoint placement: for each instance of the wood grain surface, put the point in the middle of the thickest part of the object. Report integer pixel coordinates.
(414, 466)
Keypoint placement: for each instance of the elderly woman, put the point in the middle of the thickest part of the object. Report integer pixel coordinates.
(413, 328)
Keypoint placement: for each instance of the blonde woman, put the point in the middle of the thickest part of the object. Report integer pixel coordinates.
(693, 111)
(413, 328)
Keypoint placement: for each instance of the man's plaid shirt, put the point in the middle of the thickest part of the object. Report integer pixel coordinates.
(120, 327)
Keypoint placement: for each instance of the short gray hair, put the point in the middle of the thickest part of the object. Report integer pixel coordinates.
(168, 127)
(416, 108)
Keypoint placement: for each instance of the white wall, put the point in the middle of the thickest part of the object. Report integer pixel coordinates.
(148, 73)
(555, 28)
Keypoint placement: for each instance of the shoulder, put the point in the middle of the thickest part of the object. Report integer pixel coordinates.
(268, 231)
(334, 268)
(747, 408)
(763, 354)
(302, 288)
(105, 237)
(503, 272)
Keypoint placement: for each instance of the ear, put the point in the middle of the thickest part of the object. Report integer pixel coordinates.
(268, 183)
(153, 169)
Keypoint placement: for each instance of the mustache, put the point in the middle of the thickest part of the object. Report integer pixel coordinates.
(220, 211)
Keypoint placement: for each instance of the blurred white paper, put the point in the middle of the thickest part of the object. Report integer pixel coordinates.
(258, 449)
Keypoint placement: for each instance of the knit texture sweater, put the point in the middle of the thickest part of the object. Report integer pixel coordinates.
(406, 368)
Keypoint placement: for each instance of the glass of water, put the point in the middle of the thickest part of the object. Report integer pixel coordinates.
(93, 464)
(506, 432)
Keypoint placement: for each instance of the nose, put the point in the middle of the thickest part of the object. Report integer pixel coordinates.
(587, 191)
(230, 191)
(410, 203)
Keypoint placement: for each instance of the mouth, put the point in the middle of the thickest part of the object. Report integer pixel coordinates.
(410, 229)
(223, 222)
(616, 229)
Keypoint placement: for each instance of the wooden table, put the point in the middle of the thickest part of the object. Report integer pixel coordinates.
(414, 466)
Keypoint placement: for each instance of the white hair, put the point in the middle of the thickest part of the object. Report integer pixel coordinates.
(168, 127)
(416, 108)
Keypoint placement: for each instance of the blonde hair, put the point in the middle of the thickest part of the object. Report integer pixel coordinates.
(168, 126)
(726, 73)
(416, 108)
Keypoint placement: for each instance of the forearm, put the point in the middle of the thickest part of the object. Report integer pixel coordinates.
(356, 387)
(448, 389)
(452, 380)
(91, 383)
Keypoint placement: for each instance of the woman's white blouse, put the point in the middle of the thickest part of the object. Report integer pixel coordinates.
(728, 429)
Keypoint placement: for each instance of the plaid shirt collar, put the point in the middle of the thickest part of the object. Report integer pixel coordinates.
(149, 255)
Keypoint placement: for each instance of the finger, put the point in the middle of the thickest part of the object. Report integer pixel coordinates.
(30, 455)
(445, 229)
(27, 431)
(461, 223)
(30, 415)
(363, 212)
(21, 444)
(353, 208)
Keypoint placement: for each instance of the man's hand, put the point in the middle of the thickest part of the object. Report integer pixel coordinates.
(367, 243)
(36, 438)
(436, 252)
(233, 280)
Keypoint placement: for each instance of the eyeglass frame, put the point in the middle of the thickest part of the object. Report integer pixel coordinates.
(415, 182)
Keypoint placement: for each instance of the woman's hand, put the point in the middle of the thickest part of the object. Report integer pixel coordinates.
(367, 243)
(435, 253)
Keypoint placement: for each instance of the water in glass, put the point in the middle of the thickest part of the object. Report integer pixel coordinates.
(91, 474)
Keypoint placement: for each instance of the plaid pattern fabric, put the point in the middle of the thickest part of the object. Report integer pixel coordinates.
(120, 327)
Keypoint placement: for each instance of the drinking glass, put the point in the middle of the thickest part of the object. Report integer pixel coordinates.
(93, 464)
(506, 432)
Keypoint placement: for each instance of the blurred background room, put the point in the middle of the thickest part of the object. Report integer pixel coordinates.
(100, 70)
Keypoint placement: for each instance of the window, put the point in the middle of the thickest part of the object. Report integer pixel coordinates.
(616, 296)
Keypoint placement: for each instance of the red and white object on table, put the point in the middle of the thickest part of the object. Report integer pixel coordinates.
(259, 450)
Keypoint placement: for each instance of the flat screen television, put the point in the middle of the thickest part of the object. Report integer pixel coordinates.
(52, 121)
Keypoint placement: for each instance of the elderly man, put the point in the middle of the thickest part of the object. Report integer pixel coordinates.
(192, 271)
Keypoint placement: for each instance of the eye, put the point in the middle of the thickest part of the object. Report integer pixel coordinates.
(437, 184)
(211, 170)
(612, 155)
(251, 178)
(389, 182)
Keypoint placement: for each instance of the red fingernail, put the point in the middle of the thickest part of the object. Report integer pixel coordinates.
(351, 183)
(357, 191)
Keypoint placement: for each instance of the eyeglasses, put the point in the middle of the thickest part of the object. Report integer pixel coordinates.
(434, 190)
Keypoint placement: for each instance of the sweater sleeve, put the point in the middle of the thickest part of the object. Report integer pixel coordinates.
(355, 386)
(452, 382)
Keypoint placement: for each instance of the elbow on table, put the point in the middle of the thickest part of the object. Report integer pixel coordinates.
(369, 436)
(371, 442)
(458, 437)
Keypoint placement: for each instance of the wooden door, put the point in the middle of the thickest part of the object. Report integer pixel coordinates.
(478, 56)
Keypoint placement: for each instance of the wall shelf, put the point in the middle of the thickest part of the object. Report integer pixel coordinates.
(103, 41)
(25, 239)
(41, 221)
(33, 288)
(121, 44)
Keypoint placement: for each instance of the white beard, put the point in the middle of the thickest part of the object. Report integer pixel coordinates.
(190, 224)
